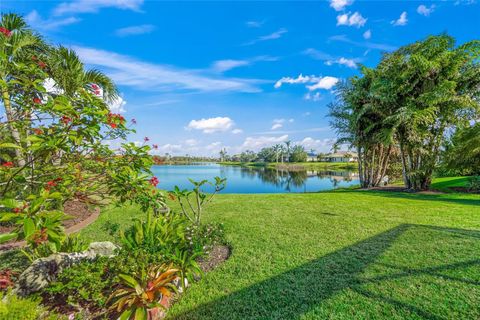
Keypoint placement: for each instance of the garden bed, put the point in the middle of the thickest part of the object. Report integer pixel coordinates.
(81, 215)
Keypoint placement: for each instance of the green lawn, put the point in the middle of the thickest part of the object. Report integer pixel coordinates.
(337, 255)
(446, 183)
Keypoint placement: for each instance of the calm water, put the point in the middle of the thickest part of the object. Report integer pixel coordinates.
(253, 180)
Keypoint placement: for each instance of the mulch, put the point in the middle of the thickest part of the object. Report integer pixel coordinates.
(215, 257)
(81, 215)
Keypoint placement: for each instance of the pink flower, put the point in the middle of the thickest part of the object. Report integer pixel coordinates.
(155, 146)
(5, 31)
(154, 181)
(146, 139)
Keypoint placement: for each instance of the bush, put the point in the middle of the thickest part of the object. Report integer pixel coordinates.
(473, 184)
(15, 308)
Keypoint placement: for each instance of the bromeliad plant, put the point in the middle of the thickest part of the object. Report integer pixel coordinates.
(192, 209)
(143, 291)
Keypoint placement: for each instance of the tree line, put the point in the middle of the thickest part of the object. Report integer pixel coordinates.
(286, 152)
(415, 108)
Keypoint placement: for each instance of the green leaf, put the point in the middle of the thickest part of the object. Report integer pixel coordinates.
(28, 227)
(7, 237)
(141, 314)
(126, 314)
(9, 145)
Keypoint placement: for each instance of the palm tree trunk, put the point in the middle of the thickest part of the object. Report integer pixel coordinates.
(11, 120)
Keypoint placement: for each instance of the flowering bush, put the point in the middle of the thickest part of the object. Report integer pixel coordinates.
(62, 142)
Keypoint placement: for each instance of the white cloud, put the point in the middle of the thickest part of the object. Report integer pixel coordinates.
(256, 143)
(117, 105)
(367, 34)
(212, 125)
(299, 79)
(228, 64)
(319, 145)
(316, 81)
(343, 61)
(354, 20)
(134, 30)
(128, 71)
(313, 97)
(237, 131)
(306, 114)
(254, 24)
(168, 148)
(36, 21)
(402, 20)
(272, 36)
(191, 142)
(276, 126)
(214, 146)
(424, 10)
(318, 55)
(339, 5)
(326, 83)
(93, 6)
(224, 65)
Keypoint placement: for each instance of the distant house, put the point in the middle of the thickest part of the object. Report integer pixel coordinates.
(341, 156)
(311, 157)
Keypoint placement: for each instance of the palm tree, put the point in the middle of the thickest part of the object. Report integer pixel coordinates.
(287, 145)
(17, 46)
(69, 75)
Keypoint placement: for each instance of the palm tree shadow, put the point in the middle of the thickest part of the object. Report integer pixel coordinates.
(310, 284)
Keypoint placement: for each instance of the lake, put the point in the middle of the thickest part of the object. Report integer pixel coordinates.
(253, 180)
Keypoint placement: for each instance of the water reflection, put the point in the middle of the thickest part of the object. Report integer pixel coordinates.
(256, 179)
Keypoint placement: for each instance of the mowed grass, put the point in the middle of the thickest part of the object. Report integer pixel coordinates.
(336, 255)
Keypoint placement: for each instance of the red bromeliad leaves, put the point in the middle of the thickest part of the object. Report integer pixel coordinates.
(6, 279)
(5, 31)
(8, 164)
(154, 181)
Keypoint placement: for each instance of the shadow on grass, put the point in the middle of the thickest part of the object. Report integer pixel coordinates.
(455, 198)
(295, 293)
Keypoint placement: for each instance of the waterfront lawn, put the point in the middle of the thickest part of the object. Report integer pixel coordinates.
(336, 255)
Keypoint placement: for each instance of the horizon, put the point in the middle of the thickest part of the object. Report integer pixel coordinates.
(200, 77)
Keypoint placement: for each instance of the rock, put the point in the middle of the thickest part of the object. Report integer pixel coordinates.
(178, 284)
(106, 249)
(44, 270)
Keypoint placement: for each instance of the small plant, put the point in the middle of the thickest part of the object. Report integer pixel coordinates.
(473, 184)
(6, 279)
(13, 308)
(156, 234)
(143, 291)
(71, 243)
(192, 209)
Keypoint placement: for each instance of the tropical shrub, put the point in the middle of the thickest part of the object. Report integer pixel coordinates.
(192, 209)
(14, 308)
(71, 243)
(142, 291)
(473, 184)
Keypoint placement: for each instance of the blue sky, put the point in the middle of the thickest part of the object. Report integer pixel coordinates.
(201, 76)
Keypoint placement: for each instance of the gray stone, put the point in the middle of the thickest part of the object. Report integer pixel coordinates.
(44, 270)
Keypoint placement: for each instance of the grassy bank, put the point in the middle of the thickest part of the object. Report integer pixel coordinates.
(336, 255)
(327, 166)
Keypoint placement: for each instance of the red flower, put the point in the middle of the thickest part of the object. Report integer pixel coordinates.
(51, 184)
(42, 64)
(155, 146)
(40, 237)
(66, 120)
(95, 86)
(34, 58)
(113, 125)
(37, 100)
(38, 131)
(146, 139)
(5, 31)
(154, 181)
(8, 164)
(17, 210)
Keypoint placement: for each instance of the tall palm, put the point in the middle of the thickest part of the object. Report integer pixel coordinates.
(287, 145)
(17, 45)
(69, 75)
